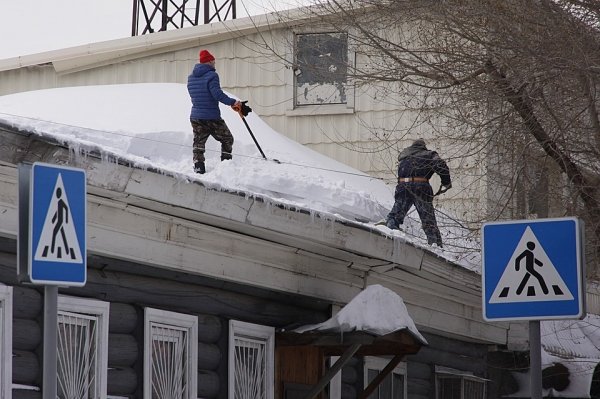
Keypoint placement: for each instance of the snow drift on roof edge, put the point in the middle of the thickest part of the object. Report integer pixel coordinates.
(150, 122)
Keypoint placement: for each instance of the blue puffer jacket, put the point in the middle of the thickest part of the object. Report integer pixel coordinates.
(205, 91)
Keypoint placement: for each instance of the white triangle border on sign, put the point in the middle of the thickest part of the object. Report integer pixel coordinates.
(47, 231)
(511, 278)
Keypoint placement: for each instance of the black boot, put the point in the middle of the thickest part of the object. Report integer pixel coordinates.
(225, 157)
(199, 168)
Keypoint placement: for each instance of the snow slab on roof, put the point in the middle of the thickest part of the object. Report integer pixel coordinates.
(376, 310)
(148, 124)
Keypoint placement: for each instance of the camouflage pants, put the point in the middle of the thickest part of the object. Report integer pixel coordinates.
(216, 128)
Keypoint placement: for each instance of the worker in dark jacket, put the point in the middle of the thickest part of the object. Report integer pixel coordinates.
(416, 165)
(205, 91)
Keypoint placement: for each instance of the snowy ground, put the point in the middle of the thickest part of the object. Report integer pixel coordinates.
(149, 125)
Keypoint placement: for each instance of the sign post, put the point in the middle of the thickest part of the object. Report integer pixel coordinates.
(533, 270)
(51, 248)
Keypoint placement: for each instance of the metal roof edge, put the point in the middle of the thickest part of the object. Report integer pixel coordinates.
(89, 55)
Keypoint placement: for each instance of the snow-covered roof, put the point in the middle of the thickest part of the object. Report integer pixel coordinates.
(148, 125)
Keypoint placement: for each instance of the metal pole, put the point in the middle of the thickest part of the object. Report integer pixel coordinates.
(535, 359)
(254, 138)
(165, 15)
(50, 334)
(134, 19)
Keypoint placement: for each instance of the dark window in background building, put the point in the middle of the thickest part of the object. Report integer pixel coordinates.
(321, 66)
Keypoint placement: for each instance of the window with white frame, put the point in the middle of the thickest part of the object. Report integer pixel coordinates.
(251, 360)
(394, 384)
(82, 347)
(170, 354)
(320, 69)
(454, 384)
(5, 341)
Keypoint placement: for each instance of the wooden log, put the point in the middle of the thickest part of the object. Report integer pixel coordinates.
(209, 329)
(208, 384)
(8, 245)
(454, 346)
(26, 394)
(209, 356)
(123, 318)
(27, 302)
(27, 334)
(8, 267)
(26, 368)
(122, 350)
(441, 358)
(117, 286)
(178, 296)
(419, 370)
(418, 387)
(121, 381)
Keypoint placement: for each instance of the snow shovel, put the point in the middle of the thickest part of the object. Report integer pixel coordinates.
(244, 111)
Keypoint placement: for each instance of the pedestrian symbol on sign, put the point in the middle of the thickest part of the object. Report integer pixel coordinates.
(530, 275)
(58, 241)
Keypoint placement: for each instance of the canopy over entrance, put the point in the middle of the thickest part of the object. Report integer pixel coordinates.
(374, 323)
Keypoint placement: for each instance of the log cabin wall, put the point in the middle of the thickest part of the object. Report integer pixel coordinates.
(446, 352)
(131, 287)
(129, 290)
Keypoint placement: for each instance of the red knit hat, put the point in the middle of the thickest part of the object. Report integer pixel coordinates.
(205, 57)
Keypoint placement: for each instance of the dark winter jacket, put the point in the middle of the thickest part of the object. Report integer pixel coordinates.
(205, 91)
(417, 161)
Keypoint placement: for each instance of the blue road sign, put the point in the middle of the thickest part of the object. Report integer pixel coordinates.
(532, 270)
(57, 225)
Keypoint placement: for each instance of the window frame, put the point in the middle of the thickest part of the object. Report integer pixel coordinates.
(179, 321)
(446, 372)
(317, 109)
(6, 327)
(100, 309)
(254, 331)
(379, 363)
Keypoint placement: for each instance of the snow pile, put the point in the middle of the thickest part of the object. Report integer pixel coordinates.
(148, 124)
(575, 344)
(376, 310)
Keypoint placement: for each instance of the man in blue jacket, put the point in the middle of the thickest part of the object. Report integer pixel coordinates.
(205, 92)
(416, 165)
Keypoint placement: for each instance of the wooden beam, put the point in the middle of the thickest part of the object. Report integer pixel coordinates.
(380, 377)
(341, 362)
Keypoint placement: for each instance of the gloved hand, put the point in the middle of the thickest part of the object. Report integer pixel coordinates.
(245, 108)
(237, 107)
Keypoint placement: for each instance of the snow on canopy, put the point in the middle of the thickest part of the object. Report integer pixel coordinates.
(376, 310)
(148, 124)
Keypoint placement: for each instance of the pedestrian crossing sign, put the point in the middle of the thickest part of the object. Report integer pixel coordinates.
(57, 225)
(533, 270)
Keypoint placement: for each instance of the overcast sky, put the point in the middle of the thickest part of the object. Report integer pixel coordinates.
(33, 26)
